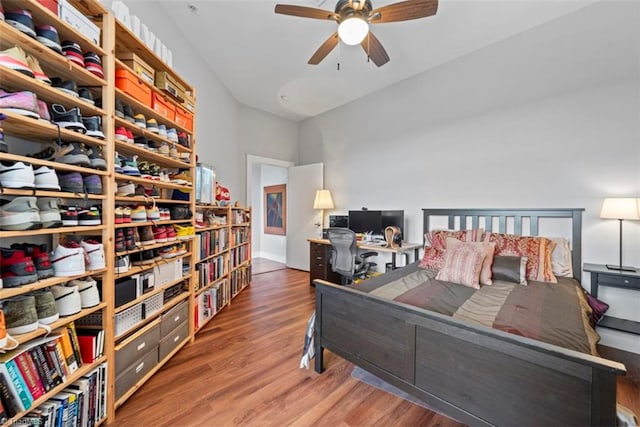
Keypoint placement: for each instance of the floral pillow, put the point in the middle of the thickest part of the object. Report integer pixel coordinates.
(536, 249)
(462, 265)
(438, 238)
(487, 247)
(432, 258)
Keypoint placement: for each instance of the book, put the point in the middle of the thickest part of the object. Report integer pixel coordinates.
(40, 362)
(71, 328)
(83, 385)
(56, 357)
(79, 405)
(67, 351)
(8, 395)
(30, 374)
(21, 387)
(3, 413)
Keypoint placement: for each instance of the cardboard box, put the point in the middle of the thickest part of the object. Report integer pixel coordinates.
(168, 83)
(133, 85)
(163, 106)
(139, 67)
(52, 5)
(77, 20)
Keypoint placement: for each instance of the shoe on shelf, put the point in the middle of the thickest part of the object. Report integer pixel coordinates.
(126, 214)
(143, 257)
(38, 73)
(86, 95)
(146, 236)
(4, 147)
(184, 232)
(119, 245)
(16, 174)
(68, 259)
(172, 135)
(123, 264)
(119, 109)
(141, 142)
(67, 299)
(165, 214)
(162, 131)
(93, 64)
(139, 214)
(181, 248)
(69, 216)
(96, 158)
(126, 188)
(130, 166)
(159, 234)
(68, 119)
(171, 233)
(20, 314)
(153, 192)
(173, 151)
(71, 182)
(117, 164)
(22, 21)
(94, 126)
(46, 308)
(119, 216)
(49, 212)
(145, 172)
(164, 149)
(153, 213)
(140, 121)
(128, 113)
(129, 239)
(16, 268)
(140, 190)
(70, 153)
(89, 216)
(70, 87)
(88, 289)
(154, 171)
(181, 178)
(130, 137)
(48, 36)
(95, 254)
(43, 111)
(152, 126)
(45, 178)
(169, 252)
(24, 103)
(183, 139)
(40, 257)
(121, 134)
(92, 184)
(73, 52)
(19, 214)
(16, 59)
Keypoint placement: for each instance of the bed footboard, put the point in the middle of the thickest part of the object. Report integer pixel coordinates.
(474, 374)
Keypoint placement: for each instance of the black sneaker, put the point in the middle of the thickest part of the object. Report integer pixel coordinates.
(73, 52)
(92, 184)
(71, 183)
(141, 141)
(145, 169)
(128, 113)
(67, 86)
(48, 36)
(70, 153)
(94, 126)
(142, 257)
(96, 158)
(129, 239)
(154, 171)
(89, 216)
(86, 95)
(22, 21)
(68, 119)
(119, 109)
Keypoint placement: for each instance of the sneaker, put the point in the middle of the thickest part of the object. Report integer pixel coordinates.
(16, 174)
(70, 87)
(38, 73)
(86, 95)
(126, 188)
(119, 215)
(159, 234)
(16, 268)
(89, 216)
(165, 214)
(130, 166)
(184, 232)
(92, 184)
(20, 314)
(119, 245)
(152, 126)
(68, 119)
(153, 192)
(16, 59)
(24, 103)
(143, 257)
(88, 289)
(130, 137)
(181, 248)
(48, 36)
(141, 141)
(40, 257)
(139, 214)
(153, 213)
(154, 171)
(121, 134)
(22, 21)
(146, 236)
(145, 171)
(181, 178)
(126, 215)
(94, 126)
(72, 153)
(67, 299)
(49, 212)
(119, 109)
(140, 191)
(183, 139)
(185, 157)
(69, 216)
(128, 113)
(93, 64)
(43, 111)
(71, 182)
(164, 149)
(4, 147)
(169, 252)
(129, 239)
(162, 131)
(123, 264)
(95, 254)
(19, 214)
(68, 259)
(73, 52)
(140, 121)
(171, 233)
(46, 308)
(45, 178)
(96, 158)
(117, 164)
(172, 135)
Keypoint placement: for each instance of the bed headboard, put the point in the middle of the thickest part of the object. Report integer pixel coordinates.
(517, 216)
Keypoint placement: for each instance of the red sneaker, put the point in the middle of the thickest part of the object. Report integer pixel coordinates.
(16, 268)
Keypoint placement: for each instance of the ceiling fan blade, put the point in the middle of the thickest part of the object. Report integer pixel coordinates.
(305, 12)
(324, 50)
(404, 11)
(374, 50)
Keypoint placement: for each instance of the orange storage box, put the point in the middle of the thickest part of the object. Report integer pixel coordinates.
(133, 85)
(184, 118)
(163, 106)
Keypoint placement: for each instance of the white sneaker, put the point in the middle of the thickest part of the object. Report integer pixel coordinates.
(19, 214)
(68, 260)
(67, 299)
(46, 178)
(126, 188)
(123, 264)
(49, 212)
(16, 174)
(95, 254)
(88, 288)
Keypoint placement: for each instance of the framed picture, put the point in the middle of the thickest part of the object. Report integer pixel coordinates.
(275, 209)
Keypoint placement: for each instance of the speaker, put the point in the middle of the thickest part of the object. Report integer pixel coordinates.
(393, 236)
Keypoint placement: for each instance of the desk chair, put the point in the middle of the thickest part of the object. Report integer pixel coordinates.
(345, 259)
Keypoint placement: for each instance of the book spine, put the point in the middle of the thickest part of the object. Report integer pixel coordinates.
(73, 334)
(56, 375)
(30, 375)
(55, 355)
(21, 386)
(67, 351)
(40, 364)
(9, 400)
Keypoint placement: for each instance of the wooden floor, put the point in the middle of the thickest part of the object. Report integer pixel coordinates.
(263, 265)
(243, 370)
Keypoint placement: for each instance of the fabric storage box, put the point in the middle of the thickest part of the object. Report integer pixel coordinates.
(137, 349)
(125, 290)
(172, 318)
(168, 83)
(139, 67)
(163, 106)
(127, 319)
(173, 339)
(133, 85)
(136, 372)
(184, 118)
(52, 5)
(77, 20)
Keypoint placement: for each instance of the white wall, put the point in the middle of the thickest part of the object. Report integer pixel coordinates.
(272, 246)
(549, 118)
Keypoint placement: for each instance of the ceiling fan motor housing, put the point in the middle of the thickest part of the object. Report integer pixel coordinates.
(346, 9)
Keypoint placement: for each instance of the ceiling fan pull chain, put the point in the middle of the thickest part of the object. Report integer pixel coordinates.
(338, 66)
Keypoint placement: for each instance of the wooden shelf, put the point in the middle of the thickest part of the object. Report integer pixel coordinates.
(44, 283)
(239, 244)
(147, 295)
(146, 200)
(53, 165)
(135, 269)
(149, 135)
(212, 285)
(217, 254)
(244, 224)
(148, 247)
(148, 112)
(159, 184)
(46, 193)
(211, 227)
(89, 229)
(142, 224)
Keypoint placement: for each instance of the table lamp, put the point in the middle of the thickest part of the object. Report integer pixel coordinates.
(323, 201)
(620, 208)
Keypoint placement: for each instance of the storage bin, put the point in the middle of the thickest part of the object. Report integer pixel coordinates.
(168, 83)
(139, 67)
(172, 318)
(171, 341)
(137, 349)
(136, 372)
(77, 20)
(152, 305)
(52, 5)
(133, 85)
(184, 118)
(163, 106)
(125, 290)
(127, 319)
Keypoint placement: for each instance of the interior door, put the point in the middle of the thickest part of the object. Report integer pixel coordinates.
(301, 217)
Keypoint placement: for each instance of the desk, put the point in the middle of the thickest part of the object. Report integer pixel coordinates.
(320, 254)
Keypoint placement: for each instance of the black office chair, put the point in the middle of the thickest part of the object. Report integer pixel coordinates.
(345, 259)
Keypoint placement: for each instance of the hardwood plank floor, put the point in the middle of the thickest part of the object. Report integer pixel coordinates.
(243, 370)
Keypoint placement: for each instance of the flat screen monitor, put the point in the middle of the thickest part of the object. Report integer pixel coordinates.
(393, 218)
(375, 221)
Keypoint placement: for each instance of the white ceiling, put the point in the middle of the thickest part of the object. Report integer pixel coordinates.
(262, 57)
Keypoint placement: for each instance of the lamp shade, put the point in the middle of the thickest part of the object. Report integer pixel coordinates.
(353, 30)
(620, 208)
(323, 200)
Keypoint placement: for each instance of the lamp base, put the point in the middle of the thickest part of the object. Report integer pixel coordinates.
(620, 267)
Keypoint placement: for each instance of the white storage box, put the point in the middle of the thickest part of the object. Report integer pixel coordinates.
(77, 20)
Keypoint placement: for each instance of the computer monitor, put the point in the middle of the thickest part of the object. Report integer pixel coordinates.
(393, 218)
(375, 221)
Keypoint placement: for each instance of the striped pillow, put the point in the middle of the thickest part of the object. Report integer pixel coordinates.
(487, 247)
(536, 249)
(462, 265)
(438, 238)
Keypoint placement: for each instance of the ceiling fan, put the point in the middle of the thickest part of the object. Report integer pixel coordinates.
(354, 17)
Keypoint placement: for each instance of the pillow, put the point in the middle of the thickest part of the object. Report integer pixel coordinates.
(510, 269)
(536, 249)
(432, 258)
(462, 265)
(598, 308)
(487, 247)
(561, 263)
(437, 238)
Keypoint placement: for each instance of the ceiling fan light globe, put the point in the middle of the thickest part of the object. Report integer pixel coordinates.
(353, 30)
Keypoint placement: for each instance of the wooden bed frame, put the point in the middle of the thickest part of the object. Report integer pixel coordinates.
(474, 374)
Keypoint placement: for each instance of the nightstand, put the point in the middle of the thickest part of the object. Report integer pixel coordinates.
(602, 276)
